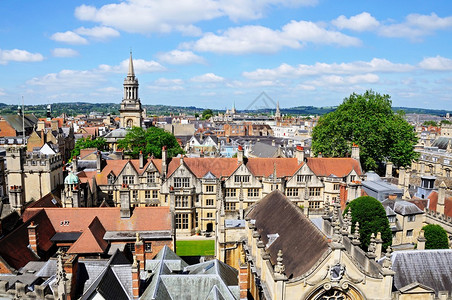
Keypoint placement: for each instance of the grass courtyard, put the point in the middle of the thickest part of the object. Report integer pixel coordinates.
(195, 248)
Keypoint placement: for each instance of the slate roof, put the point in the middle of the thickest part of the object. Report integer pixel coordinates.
(302, 246)
(441, 142)
(431, 268)
(15, 121)
(402, 207)
(260, 149)
(200, 281)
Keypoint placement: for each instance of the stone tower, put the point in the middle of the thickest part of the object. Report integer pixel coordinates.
(278, 112)
(130, 113)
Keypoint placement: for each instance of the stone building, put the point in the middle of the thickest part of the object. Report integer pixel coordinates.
(192, 186)
(30, 176)
(131, 112)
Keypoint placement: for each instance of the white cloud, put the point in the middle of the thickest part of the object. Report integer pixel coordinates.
(178, 57)
(416, 26)
(69, 37)
(110, 90)
(260, 39)
(146, 16)
(167, 81)
(98, 33)
(208, 77)
(288, 71)
(139, 65)
(64, 52)
(68, 79)
(437, 63)
(361, 22)
(2, 92)
(19, 56)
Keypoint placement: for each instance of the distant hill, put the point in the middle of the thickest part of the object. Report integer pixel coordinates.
(84, 108)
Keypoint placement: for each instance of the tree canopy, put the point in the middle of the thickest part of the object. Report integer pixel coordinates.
(436, 237)
(207, 114)
(430, 123)
(371, 216)
(149, 141)
(368, 121)
(83, 143)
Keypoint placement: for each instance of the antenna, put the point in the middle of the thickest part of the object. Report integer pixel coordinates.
(23, 120)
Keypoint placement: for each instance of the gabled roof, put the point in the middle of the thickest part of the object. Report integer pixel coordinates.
(199, 166)
(91, 240)
(116, 167)
(301, 242)
(338, 166)
(14, 247)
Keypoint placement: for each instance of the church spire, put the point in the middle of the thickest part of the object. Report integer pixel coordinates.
(277, 113)
(131, 71)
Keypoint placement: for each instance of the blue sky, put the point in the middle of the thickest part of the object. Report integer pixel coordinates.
(213, 53)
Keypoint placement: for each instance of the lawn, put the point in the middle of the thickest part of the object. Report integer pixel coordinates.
(195, 248)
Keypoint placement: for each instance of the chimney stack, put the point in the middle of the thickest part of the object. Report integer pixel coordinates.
(141, 158)
(299, 154)
(388, 169)
(164, 161)
(74, 164)
(355, 151)
(139, 252)
(441, 198)
(99, 162)
(240, 154)
(135, 278)
(124, 197)
(33, 237)
(54, 125)
(421, 241)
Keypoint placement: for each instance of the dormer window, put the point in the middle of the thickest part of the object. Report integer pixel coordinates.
(111, 179)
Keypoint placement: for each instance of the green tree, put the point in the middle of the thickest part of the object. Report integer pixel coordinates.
(368, 121)
(371, 216)
(436, 237)
(149, 141)
(83, 143)
(206, 114)
(445, 122)
(430, 123)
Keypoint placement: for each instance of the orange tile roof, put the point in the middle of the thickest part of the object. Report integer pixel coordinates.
(285, 167)
(78, 219)
(433, 197)
(338, 166)
(219, 167)
(91, 240)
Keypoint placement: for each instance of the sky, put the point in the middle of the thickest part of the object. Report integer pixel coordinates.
(220, 53)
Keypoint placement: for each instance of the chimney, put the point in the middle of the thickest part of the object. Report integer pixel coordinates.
(299, 154)
(441, 198)
(74, 164)
(54, 124)
(164, 158)
(43, 137)
(124, 197)
(139, 252)
(401, 177)
(135, 278)
(33, 237)
(70, 266)
(40, 126)
(243, 277)
(141, 158)
(181, 159)
(240, 154)
(421, 241)
(99, 162)
(388, 169)
(355, 151)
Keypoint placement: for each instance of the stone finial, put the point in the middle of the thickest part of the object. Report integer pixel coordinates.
(387, 263)
(279, 267)
(356, 235)
(326, 208)
(135, 262)
(137, 237)
(349, 221)
(372, 245)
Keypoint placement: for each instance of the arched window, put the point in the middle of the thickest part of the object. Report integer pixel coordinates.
(129, 123)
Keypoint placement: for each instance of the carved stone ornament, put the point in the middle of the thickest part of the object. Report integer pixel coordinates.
(336, 272)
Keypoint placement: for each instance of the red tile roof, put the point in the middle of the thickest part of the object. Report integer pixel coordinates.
(14, 247)
(338, 166)
(78, 219)
(433, 197)
(285, 167)
(116, 167)
(220, 167)
(91, 240)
